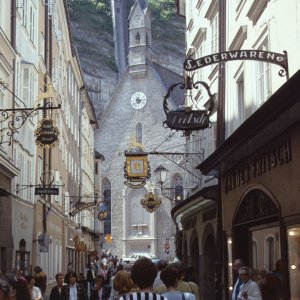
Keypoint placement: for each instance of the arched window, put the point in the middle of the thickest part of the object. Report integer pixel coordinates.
(139, 133)
(22, 245)
(137, 38)
(178, 187)
(270, 253)
(107, 198)
(22, 257)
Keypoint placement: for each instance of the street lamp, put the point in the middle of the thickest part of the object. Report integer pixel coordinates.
(170, 193)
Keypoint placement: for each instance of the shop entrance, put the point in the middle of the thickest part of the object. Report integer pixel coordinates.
(256, 234)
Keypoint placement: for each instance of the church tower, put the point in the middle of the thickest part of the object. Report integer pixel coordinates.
(120, 29)
(140, 39)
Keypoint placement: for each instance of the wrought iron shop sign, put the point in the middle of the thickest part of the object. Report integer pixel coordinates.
(47, 134)
(280, 59)
(46, 191)
(187, 119)
(81, 206)
(151, 202)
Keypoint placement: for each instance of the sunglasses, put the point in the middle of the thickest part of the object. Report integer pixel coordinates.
(243, 274)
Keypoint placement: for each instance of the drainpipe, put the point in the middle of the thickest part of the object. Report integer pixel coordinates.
(13, 24)
(45, 165)
(220, 139)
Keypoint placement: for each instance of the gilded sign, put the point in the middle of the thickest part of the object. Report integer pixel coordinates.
(47, 134)
(151, 202)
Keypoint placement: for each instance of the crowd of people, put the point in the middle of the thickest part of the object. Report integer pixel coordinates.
(109, 279)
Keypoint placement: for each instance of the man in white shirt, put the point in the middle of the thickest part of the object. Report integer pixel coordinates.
(236, 265)
(249, 289)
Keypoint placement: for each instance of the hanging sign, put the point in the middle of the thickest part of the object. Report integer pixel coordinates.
(151, 202)
(137, 169)
(192, 120)
(47, 134)
(280, 59)
(46, 191)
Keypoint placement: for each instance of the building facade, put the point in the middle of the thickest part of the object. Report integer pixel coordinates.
(40, 67)
(256, 133)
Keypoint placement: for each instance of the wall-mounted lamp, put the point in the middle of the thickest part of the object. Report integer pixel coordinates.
(170, 193)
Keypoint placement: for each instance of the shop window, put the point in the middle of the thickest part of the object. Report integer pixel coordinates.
(293, 237)
(22, 258)
(254, 254)
(270, 253)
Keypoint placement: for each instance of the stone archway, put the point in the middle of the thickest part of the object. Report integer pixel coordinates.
(207, 283)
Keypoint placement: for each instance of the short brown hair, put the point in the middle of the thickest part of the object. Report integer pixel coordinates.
(59, 274)
(123, 283)
(143, 272)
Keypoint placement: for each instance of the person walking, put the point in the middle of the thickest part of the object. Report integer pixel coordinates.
(101, 291)
(236, 265)
(162, 264)
(35, 291)
(69, 270)
(169, 277)
(122, 285)
(57, 291)
(74, 290)
(182, 286)
(143, 273)
(40, 279)
(249, 289)
(113, 292)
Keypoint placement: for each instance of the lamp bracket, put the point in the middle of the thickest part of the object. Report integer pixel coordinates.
(186, 161)
(168, 192)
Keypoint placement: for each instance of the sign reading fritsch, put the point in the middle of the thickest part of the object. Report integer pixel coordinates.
(270, 158)
(46, 134)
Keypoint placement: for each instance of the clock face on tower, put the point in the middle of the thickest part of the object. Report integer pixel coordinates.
(138, 100)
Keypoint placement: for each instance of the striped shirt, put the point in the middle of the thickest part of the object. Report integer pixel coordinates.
(143, 296)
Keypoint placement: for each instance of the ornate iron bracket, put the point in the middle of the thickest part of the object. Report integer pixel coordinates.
(186, 161)
(12, 119)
